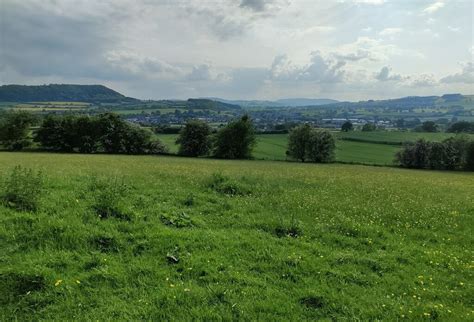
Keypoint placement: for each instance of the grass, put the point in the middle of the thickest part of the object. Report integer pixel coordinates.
(309, 242)
(274, 146)
(395, 136)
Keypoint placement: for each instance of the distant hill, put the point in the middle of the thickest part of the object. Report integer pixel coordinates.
(286, 102)
(410, 102)
(61, 92)
(203, 103)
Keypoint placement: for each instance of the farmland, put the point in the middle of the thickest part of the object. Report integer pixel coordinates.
(365, 149)
(291, 241)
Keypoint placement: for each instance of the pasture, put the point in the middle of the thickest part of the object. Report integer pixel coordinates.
(210, 239)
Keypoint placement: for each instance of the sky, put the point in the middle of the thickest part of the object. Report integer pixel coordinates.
(242, 49)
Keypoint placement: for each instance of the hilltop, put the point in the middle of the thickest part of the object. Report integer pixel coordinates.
(61, 92)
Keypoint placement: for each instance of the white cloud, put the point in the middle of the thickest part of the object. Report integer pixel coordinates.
(432, 8)
(390, 31)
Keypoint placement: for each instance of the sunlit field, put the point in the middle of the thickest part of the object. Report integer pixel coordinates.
(252, 240)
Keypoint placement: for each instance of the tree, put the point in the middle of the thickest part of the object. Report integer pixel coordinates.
(347, 126)
(369, 127)
(461, 127)
(428, 126)
(194, 139)
(306, 143)
(236, 140)
(469, 156)
(14, 129)
(298, 141)
(321, 146)
(414, 155)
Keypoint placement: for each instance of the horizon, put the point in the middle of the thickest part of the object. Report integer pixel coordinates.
(355, 50)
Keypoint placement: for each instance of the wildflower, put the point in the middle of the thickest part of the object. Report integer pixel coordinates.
(78, 282)
(187, 290)
(58, 282)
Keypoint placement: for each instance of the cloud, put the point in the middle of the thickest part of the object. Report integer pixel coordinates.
(353, 57)
(423, 80)
(385, 75)
(390, 31)
(432, 8)
(320, 69)
(200, 73)
(255, 5)
(465, 76)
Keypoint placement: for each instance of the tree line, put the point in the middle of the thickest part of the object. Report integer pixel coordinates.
(456, 153)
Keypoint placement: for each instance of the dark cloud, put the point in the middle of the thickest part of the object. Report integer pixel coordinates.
(385, 74)
(255, 5)
(465, 76)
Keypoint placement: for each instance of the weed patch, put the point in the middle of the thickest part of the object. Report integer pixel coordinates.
(108, 194)
(22, 189)
(180, 220)
(226, 185)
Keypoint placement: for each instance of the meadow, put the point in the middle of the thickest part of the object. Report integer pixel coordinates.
(211, 239)
(370, 148)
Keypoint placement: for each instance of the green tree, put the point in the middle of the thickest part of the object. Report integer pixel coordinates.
(347, 126)
(194, 139)
(236, 140)
(321, 146)
(15, 129)
(428, 126)
(297, 142)
(306, 143)
(369, 127)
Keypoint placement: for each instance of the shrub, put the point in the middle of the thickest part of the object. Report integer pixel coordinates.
(180, 220)
(22, 189)
(369, 127)
(236, 140)
(298, 141)
(347, 126)
(461, 127)
(194, 139)
(108, 194)
(227, 186)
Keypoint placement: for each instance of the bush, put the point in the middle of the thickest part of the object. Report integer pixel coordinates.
(347, 126)
(108, 194)
(369, 127)
(236, 140)
(225, 185)
(306, 143)
(194, 139)
(22, 189)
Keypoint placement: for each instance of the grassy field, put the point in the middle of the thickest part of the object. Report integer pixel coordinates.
(274, 146)
(262, 241)
(395, 136)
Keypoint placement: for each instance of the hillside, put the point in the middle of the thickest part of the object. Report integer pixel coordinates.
(410, 102)
(61, 92)
(286, 102)
(197, 239)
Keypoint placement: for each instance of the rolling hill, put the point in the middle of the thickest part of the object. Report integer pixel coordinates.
(62, 92)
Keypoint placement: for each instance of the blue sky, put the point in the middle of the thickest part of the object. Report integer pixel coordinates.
(242, 49)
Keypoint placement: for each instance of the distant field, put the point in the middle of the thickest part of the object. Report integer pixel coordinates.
(274, 146)
(302, 242)
(395, 136)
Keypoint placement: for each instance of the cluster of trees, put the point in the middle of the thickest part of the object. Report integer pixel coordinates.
(461, 127)
(15, 129)
(234, 141)
(452, 154)
(237, 140)
(309, 144)
(107, 133)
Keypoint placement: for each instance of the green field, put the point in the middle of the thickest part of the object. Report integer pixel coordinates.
(366, 151)
(295, 242)
(274, 146)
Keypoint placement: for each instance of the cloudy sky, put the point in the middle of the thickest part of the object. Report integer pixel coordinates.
(242, 49)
